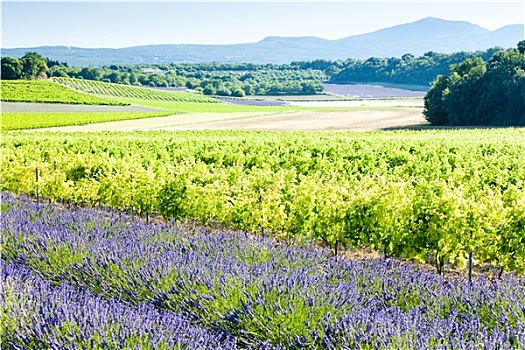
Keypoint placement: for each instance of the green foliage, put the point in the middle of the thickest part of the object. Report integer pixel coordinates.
(434, 107)
(30, 66)
(33, 66)
(238, 79)
(116, 90)
(408, 194)
(11, 68)
(407, 70)
(209, 90)
(296, 78)
(521, 47)
(478, 93)
(21, 121)
(47, 91)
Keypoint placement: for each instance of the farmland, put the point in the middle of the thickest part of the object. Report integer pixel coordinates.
(116, 90)
(389, 191)
(83, 278)
(21, 121)
(237, 239)
(193, 111)
(40, 104)
(369, 91)
(45, 91)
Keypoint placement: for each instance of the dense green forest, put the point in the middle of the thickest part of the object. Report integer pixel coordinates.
(242, 79)
(407, 70)
(481, 93)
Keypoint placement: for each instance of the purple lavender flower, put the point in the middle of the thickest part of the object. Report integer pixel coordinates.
(254, 290)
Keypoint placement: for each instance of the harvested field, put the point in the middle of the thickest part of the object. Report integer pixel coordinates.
(355, 120)
(159, 123)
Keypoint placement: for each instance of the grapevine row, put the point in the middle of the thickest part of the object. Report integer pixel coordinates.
(48, 92)
(443, 194)
(118, 90)
(21, 121)
(113, 282)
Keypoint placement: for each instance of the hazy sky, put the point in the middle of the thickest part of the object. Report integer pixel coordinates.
(122, 24)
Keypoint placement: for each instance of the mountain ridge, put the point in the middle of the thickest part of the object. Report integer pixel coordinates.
(416, 38)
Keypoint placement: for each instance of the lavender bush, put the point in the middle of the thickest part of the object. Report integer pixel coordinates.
(258, 291)
(37, 316)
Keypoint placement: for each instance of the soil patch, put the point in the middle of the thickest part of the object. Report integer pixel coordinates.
(171, 122)
(341, 120)
(354, 120)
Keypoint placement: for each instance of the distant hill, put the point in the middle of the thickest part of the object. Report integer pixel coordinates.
(428, 34)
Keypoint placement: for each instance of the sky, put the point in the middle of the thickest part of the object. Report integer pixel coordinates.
(117, 24)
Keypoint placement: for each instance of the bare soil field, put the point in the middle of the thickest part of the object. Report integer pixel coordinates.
(354, 120)
(339, 120)
(159, 123)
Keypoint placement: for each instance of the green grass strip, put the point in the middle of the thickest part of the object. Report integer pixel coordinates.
(48, 92)
(22, 121)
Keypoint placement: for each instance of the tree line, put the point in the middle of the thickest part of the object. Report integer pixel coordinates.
(238, 79)
(242, 79)
(476, 92)
(481, 88)
(30, 66)
(406, 70)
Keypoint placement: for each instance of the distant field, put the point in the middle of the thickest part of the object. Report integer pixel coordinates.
(391, 103)
(22, 121)
(191, 111)
(126, 91)
(311, 104)
(194, 107)
(370, 91)
(32, 107)
(367, 119)
(364, 119)
(47, 91)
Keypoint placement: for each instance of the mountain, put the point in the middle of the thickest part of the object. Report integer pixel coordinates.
(428, 34)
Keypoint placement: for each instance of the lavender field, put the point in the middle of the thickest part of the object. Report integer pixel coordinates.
(82, 278)
(370, 91)
(253, 102)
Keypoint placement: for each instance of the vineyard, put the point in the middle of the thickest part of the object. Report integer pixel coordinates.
(24, 121)
(117, 90)
(46, 91)
(79, 278)
(434, 196)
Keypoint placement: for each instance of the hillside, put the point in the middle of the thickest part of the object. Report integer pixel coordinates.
(428, 34)
(47, 92)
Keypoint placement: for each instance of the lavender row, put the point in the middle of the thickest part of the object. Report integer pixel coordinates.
(38, 316)
(260, 291)
(370, 91)
(245, 102)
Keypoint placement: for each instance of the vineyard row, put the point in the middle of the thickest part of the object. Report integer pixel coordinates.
(440, 195)
(117, 90)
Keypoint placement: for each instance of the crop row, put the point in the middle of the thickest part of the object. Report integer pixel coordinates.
(21, 121)
(118, 90)
(39, 316)
(438, 196)
(259, 293)
(47, 91)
